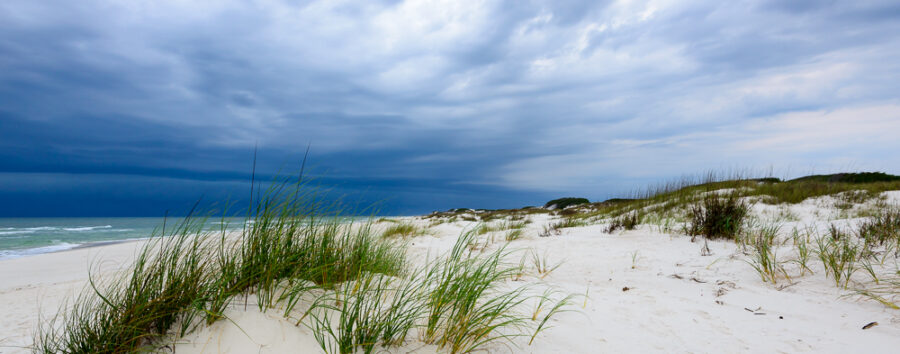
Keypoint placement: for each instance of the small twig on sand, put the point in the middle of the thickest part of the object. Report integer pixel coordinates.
(785, 286)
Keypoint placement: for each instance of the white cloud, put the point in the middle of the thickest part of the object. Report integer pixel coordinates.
(859, 137)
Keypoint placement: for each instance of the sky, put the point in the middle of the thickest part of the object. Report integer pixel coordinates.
(132, 107)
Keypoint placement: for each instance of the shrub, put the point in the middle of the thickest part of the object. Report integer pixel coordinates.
(626, 222)
(563, 203)
(717, 216)
(567, 212)
(862, 177)
(883, 227)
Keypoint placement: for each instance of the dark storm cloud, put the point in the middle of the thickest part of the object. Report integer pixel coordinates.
(434, 104)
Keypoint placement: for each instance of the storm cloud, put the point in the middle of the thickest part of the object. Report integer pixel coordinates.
(429, 105)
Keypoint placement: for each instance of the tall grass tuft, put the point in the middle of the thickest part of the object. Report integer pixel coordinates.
(186, 275)
(402, 230)
(458, 302)
(803, 251)
(465, 305)
(764, 257)
(291, 244)
(883, 227)
(513, 234)
(168, 284)
(839, 257)
(370, 310)
(628, 221)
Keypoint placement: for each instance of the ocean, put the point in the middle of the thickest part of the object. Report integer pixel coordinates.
(29, 236)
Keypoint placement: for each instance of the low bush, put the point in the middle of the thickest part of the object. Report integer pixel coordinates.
(563, 203)
(717, 216)
(861, 177)
(884, 227)
(625, 222)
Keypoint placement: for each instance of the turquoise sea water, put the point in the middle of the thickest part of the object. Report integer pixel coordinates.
(28, 236)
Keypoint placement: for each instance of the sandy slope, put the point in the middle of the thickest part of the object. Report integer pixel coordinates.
(677, 300)
(37, 285)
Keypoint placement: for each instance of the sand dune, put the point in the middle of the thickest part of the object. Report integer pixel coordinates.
(647, 291)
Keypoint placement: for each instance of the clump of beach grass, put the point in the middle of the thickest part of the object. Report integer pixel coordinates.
(801, 242)
(135, 309)
(555, 228)
(882, 228)
(505, 225)
(628, 221)
(186, 275)
(839, 255)
(369, 310)
(514, 234)
(542, 264)
(368, 294)
(459, 302)
(468, 306)
(402, 229)
(764, 257)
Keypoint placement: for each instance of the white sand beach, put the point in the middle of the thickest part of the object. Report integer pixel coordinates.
(647, 291)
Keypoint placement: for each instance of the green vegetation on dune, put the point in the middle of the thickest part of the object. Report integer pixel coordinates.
(352, 286)
(862, 177)
(720, 208)
(717, 216)
(563, 203)
(677, 202)
(402, 229)
(676, 199)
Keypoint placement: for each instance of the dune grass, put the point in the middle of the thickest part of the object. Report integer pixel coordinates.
(627, 221)
(458, 302)
(555, 228)
(187, 275)
(513, 235)
(882, 228)
(167, 284)
(368, 294)
(402, 229)
(801, 242)
(363, 317)
(839, 256)
(885, 292)
(764, 258)
(542, 265)
(675, 199)
(504, 225)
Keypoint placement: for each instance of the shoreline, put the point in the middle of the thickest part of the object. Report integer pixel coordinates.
(76, 247)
